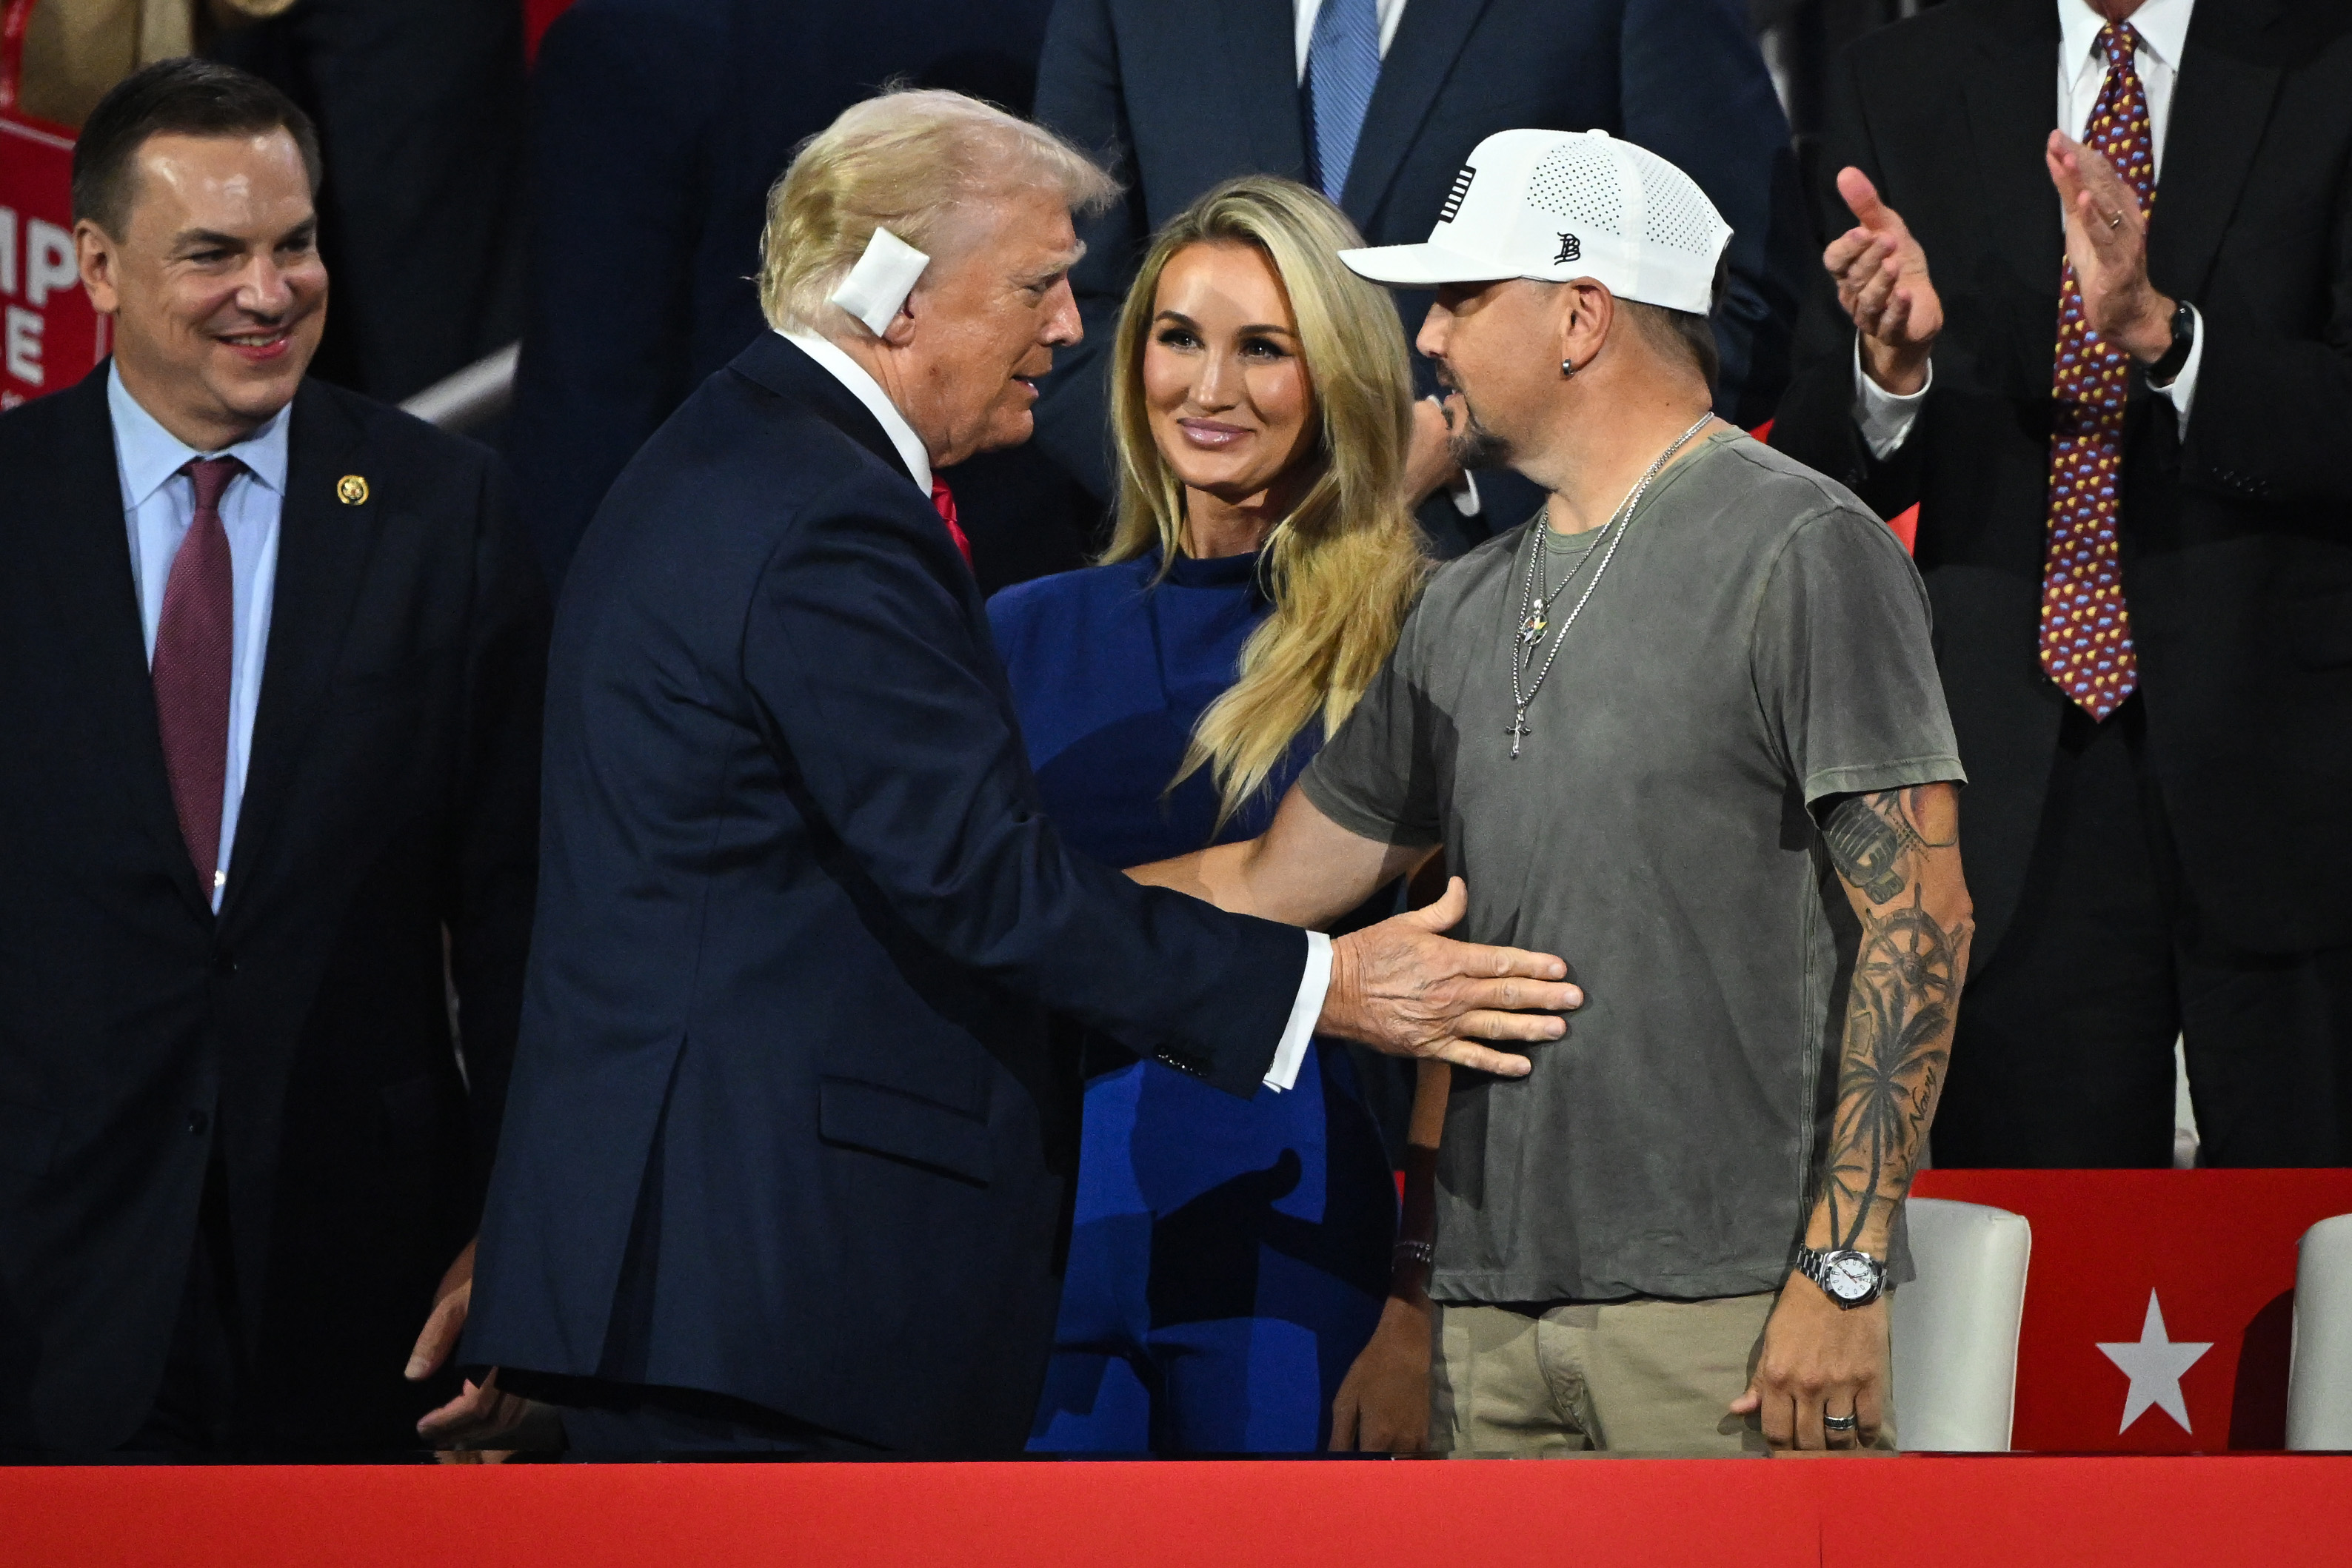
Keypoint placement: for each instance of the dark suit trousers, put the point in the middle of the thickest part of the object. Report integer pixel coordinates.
(197, 1405)
(2062, 1056)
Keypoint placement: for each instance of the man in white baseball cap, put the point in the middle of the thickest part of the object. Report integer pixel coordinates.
(1648, 727)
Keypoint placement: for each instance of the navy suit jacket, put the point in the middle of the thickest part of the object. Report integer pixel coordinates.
(1182, 97)
(657, 128)
(785, 1123)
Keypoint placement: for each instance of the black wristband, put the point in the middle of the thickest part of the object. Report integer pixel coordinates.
(2184, 337)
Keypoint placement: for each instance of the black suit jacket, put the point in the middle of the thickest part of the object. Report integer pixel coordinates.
(786, 1124)
(302, 1038)
(657, 128)
(2236, 541)
(1182, 97)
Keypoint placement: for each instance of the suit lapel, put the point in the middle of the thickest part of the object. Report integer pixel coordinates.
(1428, 40)
(2013, 106)
(323, 552)
(89, 552)
(1260, 67)
(2221, 105)
(2012, 103)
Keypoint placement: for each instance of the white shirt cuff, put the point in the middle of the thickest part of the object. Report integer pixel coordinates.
(2182, 387)
(1885, 419)
(1465, 491)
(1312, 984)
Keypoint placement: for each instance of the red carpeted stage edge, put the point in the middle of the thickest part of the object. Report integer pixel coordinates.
(1919, 1513)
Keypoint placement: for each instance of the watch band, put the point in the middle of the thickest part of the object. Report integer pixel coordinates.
(2184, 337)
(1815, 1264)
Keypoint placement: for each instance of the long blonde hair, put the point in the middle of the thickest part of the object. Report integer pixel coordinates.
(1342, 568)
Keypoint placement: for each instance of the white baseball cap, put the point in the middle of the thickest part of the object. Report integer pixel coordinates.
(1560, 204)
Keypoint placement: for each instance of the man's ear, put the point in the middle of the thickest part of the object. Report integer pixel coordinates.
(1587, 313)
(900, 331)
(100, 261)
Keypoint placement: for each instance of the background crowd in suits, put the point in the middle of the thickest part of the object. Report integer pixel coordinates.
(654, 131)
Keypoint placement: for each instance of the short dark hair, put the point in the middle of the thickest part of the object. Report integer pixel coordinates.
(1692, 334)
(182, 97)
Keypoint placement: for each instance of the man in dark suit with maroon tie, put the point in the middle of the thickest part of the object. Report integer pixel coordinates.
(2095, 319)
(270, 664)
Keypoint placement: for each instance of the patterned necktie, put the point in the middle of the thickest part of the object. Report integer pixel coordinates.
(943, 503)
(193, 640)
(2087, 643)
(1343, 66)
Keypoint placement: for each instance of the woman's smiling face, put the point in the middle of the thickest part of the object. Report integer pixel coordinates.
(1231, 404)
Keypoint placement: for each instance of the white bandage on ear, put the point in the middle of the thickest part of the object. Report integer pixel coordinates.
(881, 280)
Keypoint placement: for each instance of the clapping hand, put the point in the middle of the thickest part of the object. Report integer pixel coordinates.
(1882, 282)
(2106, 241)
(1401, 988)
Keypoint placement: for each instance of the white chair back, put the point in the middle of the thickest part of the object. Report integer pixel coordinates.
(2319, 1371)
(1956, 1327)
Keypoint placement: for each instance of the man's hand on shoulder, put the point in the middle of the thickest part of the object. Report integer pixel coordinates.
(1402, 988)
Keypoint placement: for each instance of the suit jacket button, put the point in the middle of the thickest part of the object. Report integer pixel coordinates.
(199, 1122)
(224, 962)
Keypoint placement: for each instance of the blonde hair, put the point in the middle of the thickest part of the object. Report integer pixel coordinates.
(908, 159)
(1343, 567)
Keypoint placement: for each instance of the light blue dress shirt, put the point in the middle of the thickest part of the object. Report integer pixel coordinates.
(159, 503)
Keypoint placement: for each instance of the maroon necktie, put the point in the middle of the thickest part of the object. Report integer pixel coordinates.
(192, 640)
(943, 502)
(2086, 641)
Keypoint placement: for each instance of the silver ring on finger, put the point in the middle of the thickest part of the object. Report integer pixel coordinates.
(1840, 1423)
(2114, 220)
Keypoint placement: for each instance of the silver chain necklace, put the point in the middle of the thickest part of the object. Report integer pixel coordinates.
(1533, 612)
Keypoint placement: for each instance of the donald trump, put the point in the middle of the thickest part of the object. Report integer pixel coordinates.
(785, 1154)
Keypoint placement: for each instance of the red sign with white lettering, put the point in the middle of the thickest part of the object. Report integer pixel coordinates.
(49, 337)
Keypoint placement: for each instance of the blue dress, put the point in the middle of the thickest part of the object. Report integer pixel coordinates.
(1229, 1257)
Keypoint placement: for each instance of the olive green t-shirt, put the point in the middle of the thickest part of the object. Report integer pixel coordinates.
(1759, 643)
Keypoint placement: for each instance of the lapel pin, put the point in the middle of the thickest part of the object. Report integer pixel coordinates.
(350, 489)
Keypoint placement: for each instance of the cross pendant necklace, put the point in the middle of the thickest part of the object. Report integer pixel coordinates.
(1536, 605)
(1518, 727)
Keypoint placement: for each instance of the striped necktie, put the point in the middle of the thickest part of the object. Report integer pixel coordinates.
(2086, 641)
(1343, 66)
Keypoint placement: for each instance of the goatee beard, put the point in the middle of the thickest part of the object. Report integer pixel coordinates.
(1476, 446)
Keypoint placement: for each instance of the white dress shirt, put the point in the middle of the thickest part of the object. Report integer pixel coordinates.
(1313, 985)
(158, 504)
(2163, 28)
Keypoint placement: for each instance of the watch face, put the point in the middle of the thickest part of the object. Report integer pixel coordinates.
(1851, 1276)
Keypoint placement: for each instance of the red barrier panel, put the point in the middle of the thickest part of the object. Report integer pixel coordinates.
(2213, 1249)
(49, 337)
(2267, 1512)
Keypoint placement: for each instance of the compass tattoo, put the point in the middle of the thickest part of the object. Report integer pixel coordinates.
(1898, 855)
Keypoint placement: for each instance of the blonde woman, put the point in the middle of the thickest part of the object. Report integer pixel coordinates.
(1230, 1258)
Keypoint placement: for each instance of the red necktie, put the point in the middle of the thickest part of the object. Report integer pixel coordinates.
(193, 640)
(943, 502)
(2086, 641)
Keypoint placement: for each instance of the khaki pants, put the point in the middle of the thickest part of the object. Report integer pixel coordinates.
(1624, 1377)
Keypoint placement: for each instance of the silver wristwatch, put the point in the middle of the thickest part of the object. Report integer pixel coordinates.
(1849, 1278)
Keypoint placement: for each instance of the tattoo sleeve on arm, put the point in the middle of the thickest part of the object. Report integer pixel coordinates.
(1899, 853)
